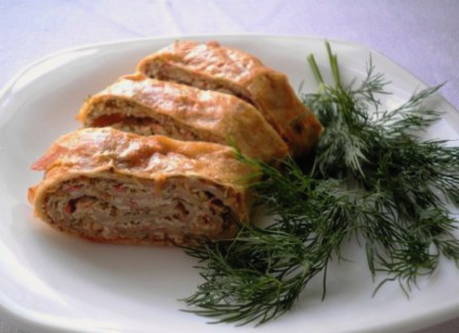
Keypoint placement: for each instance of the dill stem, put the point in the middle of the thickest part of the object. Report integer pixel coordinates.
(316, 72)
(333, 60)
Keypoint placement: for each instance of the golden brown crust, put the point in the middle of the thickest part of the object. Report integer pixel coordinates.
(213, 116)
(139, 156)
(106, 152)
(245, 74)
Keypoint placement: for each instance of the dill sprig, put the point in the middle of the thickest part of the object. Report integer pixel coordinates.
(255, 277)
(380, 153)
(372, 180)
(259, 274)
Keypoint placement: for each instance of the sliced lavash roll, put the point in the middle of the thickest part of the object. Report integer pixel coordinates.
(211, 66)
(146, 106)
(112, 186)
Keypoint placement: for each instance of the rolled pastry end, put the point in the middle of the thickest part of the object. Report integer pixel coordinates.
(145, 106)
(130, 116)
(211, 66)
(112, 186)
(103, 207)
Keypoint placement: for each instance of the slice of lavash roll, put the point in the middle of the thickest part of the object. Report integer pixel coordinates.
(146, 106)
(112, 186)
(211, 66)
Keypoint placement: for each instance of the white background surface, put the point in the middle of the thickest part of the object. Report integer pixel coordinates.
(420, 35)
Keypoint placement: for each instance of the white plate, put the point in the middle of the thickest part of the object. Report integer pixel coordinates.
(52, 282)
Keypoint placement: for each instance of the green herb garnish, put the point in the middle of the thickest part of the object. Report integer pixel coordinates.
(372, 180)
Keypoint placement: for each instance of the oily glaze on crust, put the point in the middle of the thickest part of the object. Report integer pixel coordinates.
(212, 66)
(110, 155)
(197, 114)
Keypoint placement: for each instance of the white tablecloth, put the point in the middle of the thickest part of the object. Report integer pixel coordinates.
(421, 35)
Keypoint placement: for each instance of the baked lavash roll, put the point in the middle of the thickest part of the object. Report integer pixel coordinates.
(211, 66)
(112, 186)
(146, 106)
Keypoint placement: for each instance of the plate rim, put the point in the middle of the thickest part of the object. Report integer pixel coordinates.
(25, 320)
